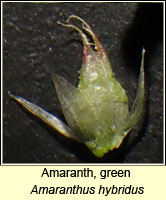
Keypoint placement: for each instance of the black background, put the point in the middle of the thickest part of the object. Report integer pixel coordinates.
(34, 45)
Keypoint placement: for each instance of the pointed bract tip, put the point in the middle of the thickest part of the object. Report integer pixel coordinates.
(16, 98)
(143, 51)
(11, 95)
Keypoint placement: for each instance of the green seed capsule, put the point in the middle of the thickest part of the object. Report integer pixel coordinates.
(97, 111)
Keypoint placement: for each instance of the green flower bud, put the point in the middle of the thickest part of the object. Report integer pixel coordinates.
(97, 111)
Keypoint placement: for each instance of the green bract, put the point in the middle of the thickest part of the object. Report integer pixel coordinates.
(97, 111)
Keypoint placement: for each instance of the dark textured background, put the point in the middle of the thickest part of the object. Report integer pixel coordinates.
(35, 45)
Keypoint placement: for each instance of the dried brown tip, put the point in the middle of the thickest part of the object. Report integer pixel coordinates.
(86, 28)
